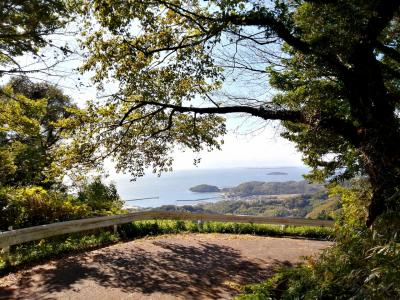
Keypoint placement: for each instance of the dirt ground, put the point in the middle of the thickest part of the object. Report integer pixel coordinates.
(189, 266)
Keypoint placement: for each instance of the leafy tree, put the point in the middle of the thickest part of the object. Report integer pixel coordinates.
(25, 28)
(99, 196)
(333, 64)
(36, 120)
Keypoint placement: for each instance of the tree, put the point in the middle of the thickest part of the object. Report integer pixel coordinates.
(36, 120)
(25, 28)
(334, 66)
(99, 196)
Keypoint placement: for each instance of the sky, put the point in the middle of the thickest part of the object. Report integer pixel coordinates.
(264, 149)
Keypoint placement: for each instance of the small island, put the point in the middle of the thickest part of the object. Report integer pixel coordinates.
(277, 173)
(204, 188)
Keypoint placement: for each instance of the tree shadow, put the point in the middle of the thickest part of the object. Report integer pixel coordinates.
(191, 272)
(6, 293)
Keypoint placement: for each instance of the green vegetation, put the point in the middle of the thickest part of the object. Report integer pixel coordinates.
(297, 206)
(135, 229)
(257, 201)
(327, 210)
(361, 265)
(204, 188)
(273, 188)
(103, 199)
(37, 122)
(49, 248)
(333, 67)
(24, 30)
(30, 206)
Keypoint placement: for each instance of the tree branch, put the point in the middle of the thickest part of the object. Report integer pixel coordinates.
(388, 51)
(167, 127)
(264, 19)
(281, 30)
(384, 12)
(266, 114)
(333, 124)
(342, 127)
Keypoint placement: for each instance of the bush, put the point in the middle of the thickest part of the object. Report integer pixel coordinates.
(31, 206)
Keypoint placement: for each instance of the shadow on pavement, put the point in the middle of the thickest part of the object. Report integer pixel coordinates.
(191, 272)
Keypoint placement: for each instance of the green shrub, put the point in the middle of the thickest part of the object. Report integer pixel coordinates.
(31, 206)
(143, 228)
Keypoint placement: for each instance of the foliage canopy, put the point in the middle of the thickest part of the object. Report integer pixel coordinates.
(333, 66)
(36, 121)
(25, 28)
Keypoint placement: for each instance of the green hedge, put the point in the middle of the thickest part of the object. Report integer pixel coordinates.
(144, 228)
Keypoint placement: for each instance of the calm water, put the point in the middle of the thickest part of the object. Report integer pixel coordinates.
(171, 187)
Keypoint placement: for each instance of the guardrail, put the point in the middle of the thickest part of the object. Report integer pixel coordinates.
(14, 237)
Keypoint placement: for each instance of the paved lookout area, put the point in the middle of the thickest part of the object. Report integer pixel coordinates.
(184, 266)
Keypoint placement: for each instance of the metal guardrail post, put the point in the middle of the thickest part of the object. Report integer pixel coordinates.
(5, 250)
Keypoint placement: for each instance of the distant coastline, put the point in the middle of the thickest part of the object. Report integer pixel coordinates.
(255, 188)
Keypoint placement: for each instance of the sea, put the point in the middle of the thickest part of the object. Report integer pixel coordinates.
(173, 188)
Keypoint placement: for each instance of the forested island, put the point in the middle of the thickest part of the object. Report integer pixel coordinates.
(204, 188)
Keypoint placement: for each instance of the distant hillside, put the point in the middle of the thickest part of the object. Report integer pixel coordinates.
(273, 188)
(273, 199)
(272, 206)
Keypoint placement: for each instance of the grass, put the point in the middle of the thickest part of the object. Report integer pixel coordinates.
(33, 252)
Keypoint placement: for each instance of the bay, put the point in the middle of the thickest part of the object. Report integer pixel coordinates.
(173, 188)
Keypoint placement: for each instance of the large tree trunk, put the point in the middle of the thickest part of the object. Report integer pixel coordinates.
(382, 164)
(373, 109)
